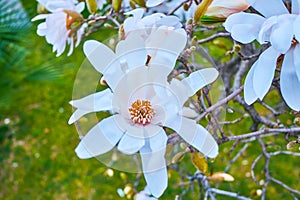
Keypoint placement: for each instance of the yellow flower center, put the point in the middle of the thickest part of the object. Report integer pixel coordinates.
(141, 112)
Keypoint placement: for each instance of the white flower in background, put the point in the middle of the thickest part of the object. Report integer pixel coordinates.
(63, 25)
(138, 22)
(143, 102)
(218, 8)
(281, 29)
(224, 8)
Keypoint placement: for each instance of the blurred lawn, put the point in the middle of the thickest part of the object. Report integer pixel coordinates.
(37, 158)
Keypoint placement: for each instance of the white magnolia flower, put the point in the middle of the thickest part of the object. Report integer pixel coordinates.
(224, 8)
(143, 102)
(58, 27)
(281, 29)
(138, 22)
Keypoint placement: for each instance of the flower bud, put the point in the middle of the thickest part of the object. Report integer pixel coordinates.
(297, 121)
(141, 3)
(132, 4)
(186, 7)
(219, 10)
(122, 34)
(116, 4)
(221, 176)
(92, 5)
(201, 9)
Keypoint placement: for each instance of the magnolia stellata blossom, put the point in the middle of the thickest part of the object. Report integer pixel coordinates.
(280, 28)
(138, 22)
(63, 25)
(143, 102)
(218, 8)
(224, 8)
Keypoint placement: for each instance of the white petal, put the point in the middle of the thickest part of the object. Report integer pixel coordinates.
(129, 24)
(131, 51)
(289, 82)
(197, 80)
(188, 112)
(281, 35)
(162, 57)
(137, 13)
(99, 101)
(53, 6)
(71, 46)
(244, 33)
(296, 28)
(249, 93)
(243, 18)
(42, 29)
(194, 134)
(163, 38)
(264, 72)
(98, 54)
(267, 10)
(157, 181)
(159, 116)
(152, 3)
(297, 60)
(80, 7)
(181, 91)
(266, 30)
(135, 130)
(158, 142)
(296, 7)
(132, 42)
(38, 17)
(151, 20)
(130, 145)
(100, 139)
(171, 21)
(154, 168)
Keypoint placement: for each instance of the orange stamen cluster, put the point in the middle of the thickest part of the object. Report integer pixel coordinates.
(141, 112)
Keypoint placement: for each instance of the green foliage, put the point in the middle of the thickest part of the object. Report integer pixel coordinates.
(15, 59)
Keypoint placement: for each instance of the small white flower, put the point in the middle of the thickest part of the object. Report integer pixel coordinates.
(143, 102)
(281, 29)
(57, 27)
(138, 22)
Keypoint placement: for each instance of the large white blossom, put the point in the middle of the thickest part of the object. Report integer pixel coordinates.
(138, 22)
(281, 29)
(58, 26)
(143, 102)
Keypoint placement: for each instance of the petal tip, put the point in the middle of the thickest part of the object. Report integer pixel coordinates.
(81, 152)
